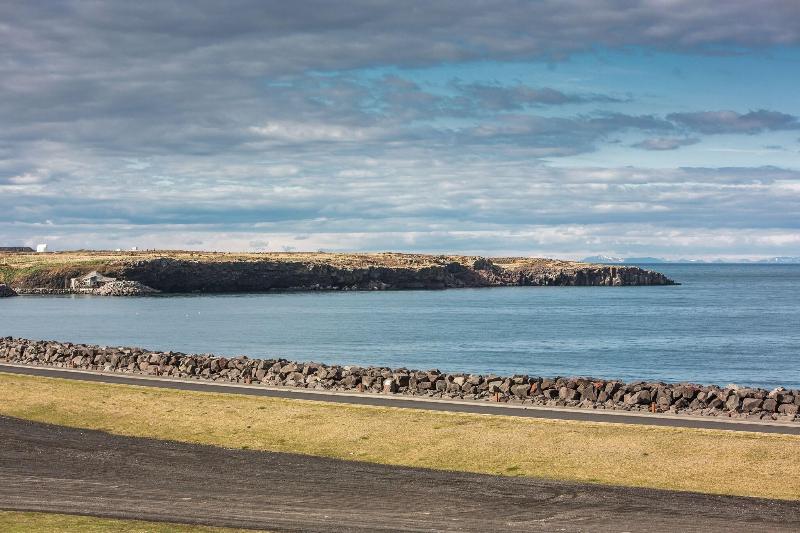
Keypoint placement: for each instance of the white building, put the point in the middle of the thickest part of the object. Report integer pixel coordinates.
(41, 248)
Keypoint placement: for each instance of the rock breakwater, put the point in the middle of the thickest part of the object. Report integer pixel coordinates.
(658, 397)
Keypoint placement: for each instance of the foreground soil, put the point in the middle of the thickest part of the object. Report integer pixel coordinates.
(31, 522)
(57, 469)
(712, 461)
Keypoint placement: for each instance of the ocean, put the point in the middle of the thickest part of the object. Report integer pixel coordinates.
(723, 324)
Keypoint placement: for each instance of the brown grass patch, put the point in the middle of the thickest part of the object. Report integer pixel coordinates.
(20, 522)
(712, 461)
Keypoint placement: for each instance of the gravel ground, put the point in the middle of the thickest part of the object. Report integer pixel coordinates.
(59, 469)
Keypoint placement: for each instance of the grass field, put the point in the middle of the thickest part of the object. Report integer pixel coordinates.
(19, 260)
(16, 267)
(712, 461)
(17, 522)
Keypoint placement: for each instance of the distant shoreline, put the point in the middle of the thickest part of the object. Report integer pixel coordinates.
(207, 272)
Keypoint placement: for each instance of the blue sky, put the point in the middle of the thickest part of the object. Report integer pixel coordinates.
(528, 128)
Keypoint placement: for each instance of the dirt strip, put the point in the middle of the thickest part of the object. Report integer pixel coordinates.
(58, 469)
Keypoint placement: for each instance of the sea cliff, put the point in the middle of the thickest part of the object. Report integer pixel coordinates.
(173, 272)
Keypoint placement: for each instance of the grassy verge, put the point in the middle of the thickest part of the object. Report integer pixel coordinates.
(17, 522)
(712, 461)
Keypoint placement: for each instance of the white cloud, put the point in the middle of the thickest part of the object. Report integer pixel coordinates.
(135, 124)
(300, 132)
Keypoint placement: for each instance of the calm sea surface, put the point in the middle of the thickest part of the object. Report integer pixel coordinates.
(725, 324)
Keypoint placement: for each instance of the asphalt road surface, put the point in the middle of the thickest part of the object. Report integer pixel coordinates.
(65, 470)
(410, 402)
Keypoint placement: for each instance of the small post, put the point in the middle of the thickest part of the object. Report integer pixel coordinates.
(653, 407)
(497, 397)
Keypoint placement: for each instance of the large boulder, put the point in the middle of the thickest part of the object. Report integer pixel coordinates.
(751, 404)
(641, 397)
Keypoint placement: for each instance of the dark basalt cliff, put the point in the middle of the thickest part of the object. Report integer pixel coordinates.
(170, 275)
(6, 291)
(264, 272)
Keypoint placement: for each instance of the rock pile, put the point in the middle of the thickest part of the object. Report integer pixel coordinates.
(683, 398)
(45, 291)
(6, 291)
(124, 288)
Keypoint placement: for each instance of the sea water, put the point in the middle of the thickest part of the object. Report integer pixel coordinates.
(723, 324)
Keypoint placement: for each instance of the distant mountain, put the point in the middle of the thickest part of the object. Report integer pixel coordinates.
(781, 260)
(645, 260)
(610, 260)
(603, 259)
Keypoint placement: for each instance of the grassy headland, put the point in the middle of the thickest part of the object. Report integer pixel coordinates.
(183, 271)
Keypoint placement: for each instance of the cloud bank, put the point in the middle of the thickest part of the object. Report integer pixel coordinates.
(306, 125)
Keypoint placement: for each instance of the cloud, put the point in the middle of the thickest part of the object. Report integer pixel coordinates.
(714, 122)
(156, 124)
(248, 38)
(664, 143)
(443, 205)
(498, 97)
(301, 132)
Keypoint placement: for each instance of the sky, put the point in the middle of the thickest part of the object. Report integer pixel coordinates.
(556, 128)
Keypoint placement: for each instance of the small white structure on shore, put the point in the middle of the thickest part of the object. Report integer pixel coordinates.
(92, 280)
(41, 248)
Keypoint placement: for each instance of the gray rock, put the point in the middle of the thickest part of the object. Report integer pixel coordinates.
(389, 385)
(739, 402)
(732, 403)
(565, 393)
(521, 390)
(494, 386)
(769, 405)
(789, 409)
(6, 291)
(588, 393)
(124, 288)
(751, 404)
(641, 397)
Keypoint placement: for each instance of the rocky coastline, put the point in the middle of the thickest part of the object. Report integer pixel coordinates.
(115, 288)
(220, 273)
(580, 392)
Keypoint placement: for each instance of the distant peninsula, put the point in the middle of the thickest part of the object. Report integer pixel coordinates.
(217, 272)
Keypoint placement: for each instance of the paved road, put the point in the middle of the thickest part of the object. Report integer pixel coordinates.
(412, 402)
(59, 469)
